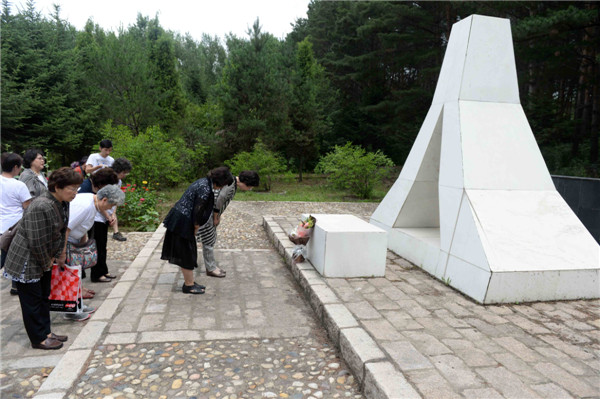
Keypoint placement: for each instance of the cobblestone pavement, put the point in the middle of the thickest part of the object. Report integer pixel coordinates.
(23, 369)
(269, 368)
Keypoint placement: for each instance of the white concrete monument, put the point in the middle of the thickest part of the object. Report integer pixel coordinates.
(475, 205)
(346, 246)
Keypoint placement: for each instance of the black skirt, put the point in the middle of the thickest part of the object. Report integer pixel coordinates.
(179, 251)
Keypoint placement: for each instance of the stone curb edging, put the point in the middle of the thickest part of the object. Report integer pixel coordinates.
(378, 377)
(70, 366)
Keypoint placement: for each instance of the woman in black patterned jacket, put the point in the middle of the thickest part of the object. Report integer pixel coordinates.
(39, 240)
(183, 221)
(207, 234)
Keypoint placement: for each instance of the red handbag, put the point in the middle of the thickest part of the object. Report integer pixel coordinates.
(65, 289)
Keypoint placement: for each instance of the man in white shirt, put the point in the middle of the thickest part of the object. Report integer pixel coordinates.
(14, 197)
(100, 159)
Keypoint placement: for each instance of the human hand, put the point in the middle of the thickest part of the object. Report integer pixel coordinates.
(60, 261)
(216, 219)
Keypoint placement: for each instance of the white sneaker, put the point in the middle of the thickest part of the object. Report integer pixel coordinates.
(88, 309)
(77, 316)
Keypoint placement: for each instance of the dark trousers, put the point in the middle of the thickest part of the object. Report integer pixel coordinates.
(2, 260)
(100, 234)
(35, 307)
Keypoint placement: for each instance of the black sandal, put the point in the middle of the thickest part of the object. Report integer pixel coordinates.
(193, 289)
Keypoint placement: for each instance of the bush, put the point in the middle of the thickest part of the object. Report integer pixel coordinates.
(139, 211)
(351, 167)
(155, 156)
(267, 163)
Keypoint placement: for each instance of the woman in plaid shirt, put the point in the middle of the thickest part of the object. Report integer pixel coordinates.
(40, 239)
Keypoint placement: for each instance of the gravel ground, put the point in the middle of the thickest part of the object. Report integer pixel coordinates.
(241, 224)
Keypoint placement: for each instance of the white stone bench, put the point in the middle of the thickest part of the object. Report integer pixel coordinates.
(346, 246)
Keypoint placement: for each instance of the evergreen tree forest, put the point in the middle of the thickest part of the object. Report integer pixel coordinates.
(359, 72)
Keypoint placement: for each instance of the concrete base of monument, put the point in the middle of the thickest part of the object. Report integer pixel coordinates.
(421, 246)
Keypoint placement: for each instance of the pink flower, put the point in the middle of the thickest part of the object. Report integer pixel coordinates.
(142, 199)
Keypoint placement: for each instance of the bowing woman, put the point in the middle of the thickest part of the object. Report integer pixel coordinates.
(183, 221)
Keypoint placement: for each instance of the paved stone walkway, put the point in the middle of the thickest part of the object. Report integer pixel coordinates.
(410, 335)
(254, 334)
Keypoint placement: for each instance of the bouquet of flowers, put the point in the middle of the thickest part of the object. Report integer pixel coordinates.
(301, 233)
(299, 253)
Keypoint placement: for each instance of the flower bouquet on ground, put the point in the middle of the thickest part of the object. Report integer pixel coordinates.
(300, 236)
(301, 233)
(299, 253)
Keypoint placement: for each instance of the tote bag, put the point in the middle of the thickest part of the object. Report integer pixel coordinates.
(85, 255)
(65, 289)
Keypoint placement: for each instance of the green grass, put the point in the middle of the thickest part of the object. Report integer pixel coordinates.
(313, 188)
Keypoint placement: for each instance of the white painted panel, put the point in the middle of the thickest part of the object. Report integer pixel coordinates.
(420, 208)
(467, 242)
(533, 231)
(451, 73)
(499, 149)
(449, 202)
(451, 163)
(407, 246)
(315, 249)
(543, 286)
(419, 246)
(355, 254)
(347, 246)
(430, 165)
(417, 152)
(432, 257)
(467, 278)
(388, 210)
(440, 270)
(490, 73)
(343, 223)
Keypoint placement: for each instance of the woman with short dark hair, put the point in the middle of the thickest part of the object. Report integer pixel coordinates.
(33, 175)
(39, 240)
(207, 233)
(14, 199)
(183, 221)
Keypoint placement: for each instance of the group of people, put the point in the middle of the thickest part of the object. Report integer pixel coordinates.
(49, 216)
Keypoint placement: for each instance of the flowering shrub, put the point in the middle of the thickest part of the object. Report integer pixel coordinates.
(139, 211)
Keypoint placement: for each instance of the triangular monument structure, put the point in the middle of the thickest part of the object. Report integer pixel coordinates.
(475, 205)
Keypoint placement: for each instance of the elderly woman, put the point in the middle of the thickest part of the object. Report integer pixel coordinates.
(81, 219)
(183, 221)
(99, 231)
(39, 240)
(246, 180)
(32, 176)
